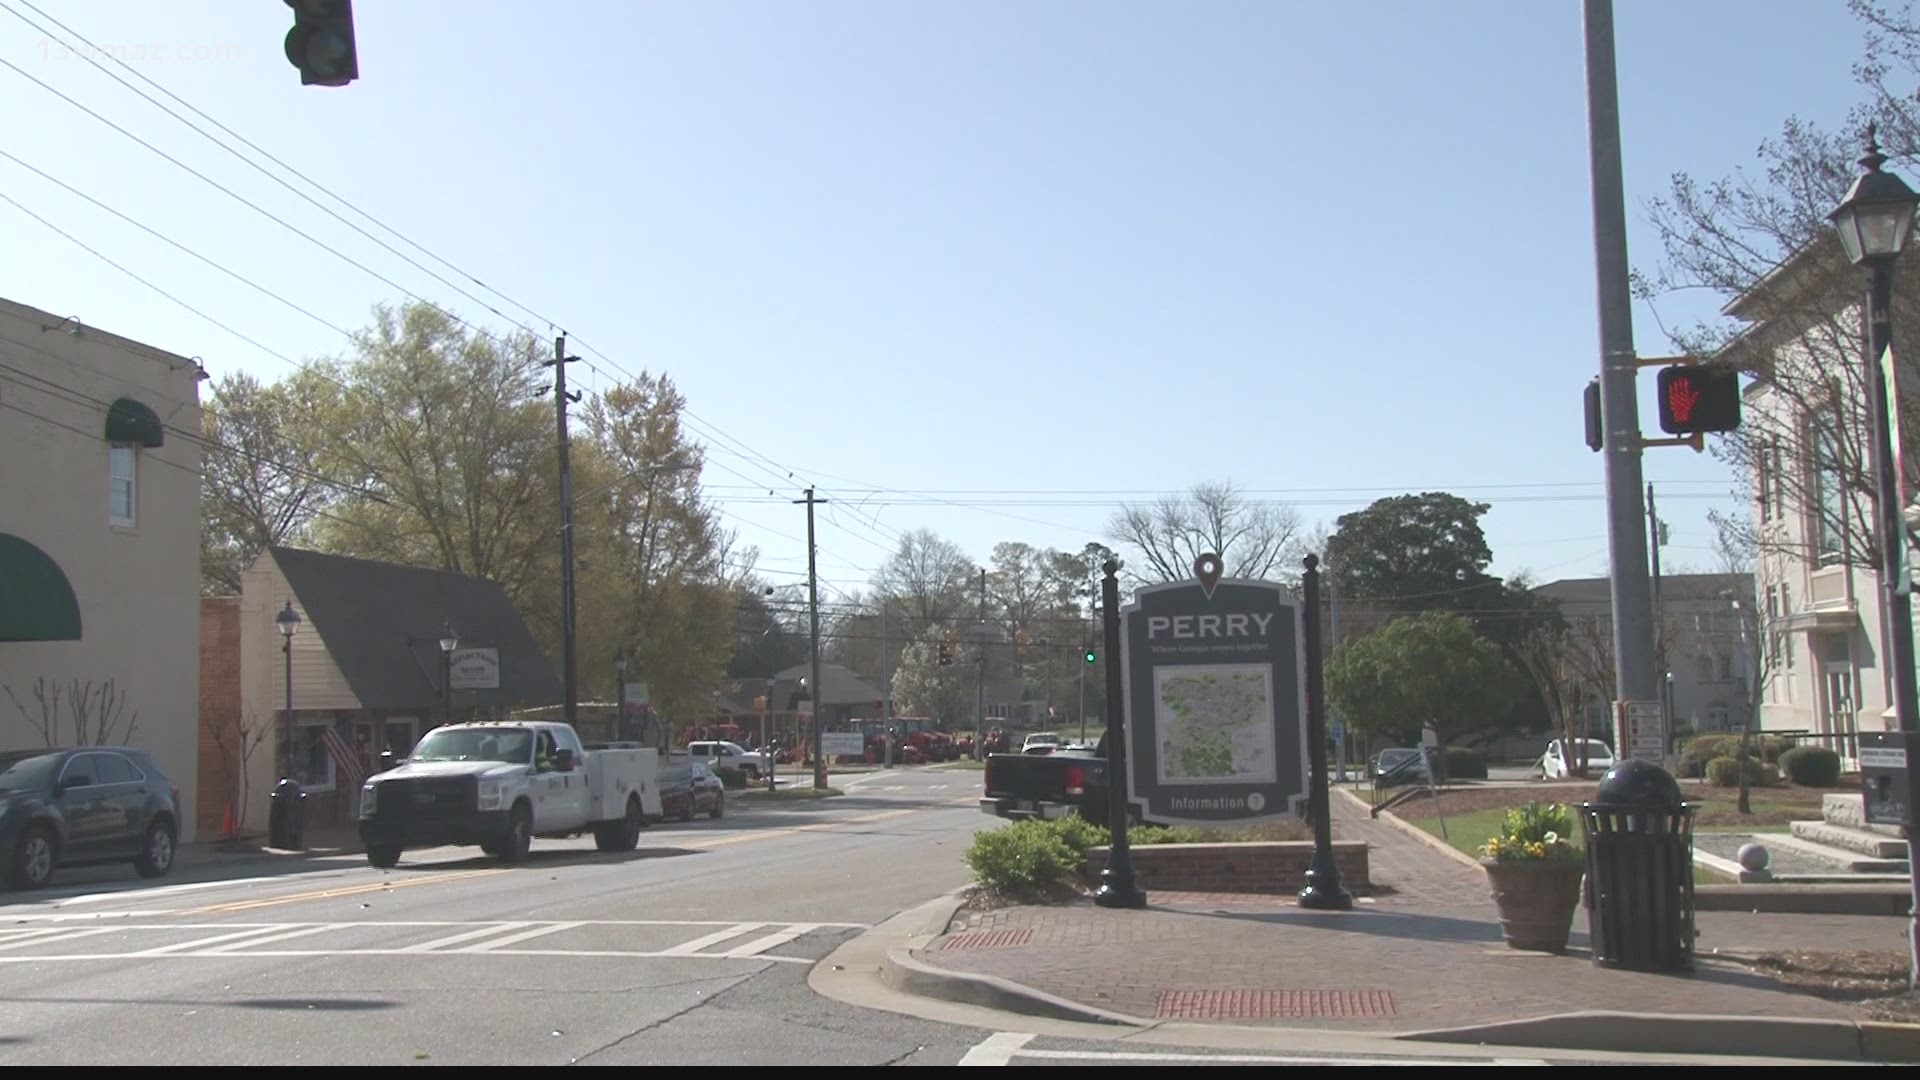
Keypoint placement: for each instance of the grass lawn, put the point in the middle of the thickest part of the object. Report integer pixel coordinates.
(1775, 805)
(965, 764)
(1466, 832)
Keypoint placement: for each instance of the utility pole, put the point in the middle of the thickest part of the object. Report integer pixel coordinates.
(1656, 536)
(813, 632)
(1088, 639)
(980, 665)
(561, 399)
(1634, 675)
(886, 692)
(1333, 603)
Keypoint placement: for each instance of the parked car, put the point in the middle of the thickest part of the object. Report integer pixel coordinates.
(1400, 765)
(721, 754)
(84, 807)
(688, 788)
(1562, 758)
(1042, 742)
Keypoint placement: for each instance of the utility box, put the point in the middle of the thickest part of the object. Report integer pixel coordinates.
(1887, 776)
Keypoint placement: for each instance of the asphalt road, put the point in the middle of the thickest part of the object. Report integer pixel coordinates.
(693, 950)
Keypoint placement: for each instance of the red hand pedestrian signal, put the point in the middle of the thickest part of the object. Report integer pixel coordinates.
(1694, 400)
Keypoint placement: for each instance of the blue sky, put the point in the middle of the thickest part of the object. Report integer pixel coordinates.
(1328, 252)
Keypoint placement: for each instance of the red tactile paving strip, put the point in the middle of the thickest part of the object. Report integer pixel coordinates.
(1274, 1005)
(988, 939)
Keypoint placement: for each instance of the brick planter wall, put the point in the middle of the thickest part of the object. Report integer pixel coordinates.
(1264, 867)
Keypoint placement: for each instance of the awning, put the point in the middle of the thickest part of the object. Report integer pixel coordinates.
(36, 600)
(1822, 620)
(130, 421)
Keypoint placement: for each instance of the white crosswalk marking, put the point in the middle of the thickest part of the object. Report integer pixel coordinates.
(468, 935)
(524, 935)
(200, 944)
(234, 948)
(1002, 1048)
(715, 938)
(60, 934)
(762, 944)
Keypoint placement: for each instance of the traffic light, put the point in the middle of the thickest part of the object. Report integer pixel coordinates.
(321, 42)
(1596, 429)
(1092, 657)
(1694, 400)
(946, 653)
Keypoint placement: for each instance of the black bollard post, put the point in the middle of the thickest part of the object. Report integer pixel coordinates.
(1323, 891)
(1118, 889)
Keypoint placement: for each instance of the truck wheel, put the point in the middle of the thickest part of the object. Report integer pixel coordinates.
(519, 838)
(623, 833)
(383, 856)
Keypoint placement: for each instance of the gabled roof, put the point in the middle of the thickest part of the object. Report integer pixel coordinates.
(380, 622)
(1599, 590)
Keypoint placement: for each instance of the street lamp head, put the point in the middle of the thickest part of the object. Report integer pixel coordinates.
(1876, 218)
(287, 621)
(449, 637)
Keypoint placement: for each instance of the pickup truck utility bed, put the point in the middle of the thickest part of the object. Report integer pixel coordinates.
(1048, 785)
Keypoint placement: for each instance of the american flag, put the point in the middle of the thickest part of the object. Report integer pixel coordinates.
(345, 761)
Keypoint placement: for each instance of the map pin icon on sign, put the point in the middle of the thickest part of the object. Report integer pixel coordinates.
(1207, 568)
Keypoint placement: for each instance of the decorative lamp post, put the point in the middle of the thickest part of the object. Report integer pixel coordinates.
(1874, 222)
(620, 693)
(449, 641)
(288, 622)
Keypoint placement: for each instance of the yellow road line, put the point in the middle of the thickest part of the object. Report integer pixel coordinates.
(350, 890)
(767, 834)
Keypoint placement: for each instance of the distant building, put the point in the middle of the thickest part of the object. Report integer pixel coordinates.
(1705, 672)
(100, 459)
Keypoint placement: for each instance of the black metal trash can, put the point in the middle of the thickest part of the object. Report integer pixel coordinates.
(1639, 887)
(287, 816)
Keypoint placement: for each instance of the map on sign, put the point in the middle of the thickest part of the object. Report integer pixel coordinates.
(1215, 723)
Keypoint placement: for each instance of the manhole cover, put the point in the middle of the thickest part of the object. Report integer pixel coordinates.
(988, 939)
(1274, 1004)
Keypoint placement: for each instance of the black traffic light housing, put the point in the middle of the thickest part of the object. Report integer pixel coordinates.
(1092, 657)
(1596, 427)
(321, 42)
(946, 653)
(1695, 400)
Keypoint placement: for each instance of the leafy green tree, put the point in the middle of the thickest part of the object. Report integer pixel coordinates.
(1429, 669)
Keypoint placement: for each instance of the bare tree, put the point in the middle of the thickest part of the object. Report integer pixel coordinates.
(1254, 539)
(1760, 654)
(1558, 663)
(930, 575)
(95, 714)
(236, 740)
(262, 481)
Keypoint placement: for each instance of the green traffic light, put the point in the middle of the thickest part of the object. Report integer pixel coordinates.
(1090, 657)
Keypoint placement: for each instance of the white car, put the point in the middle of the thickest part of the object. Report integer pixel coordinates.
(1561, 759)
(720, 754)
(1042, 742)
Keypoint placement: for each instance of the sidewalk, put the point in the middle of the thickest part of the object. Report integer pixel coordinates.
(1426, 954)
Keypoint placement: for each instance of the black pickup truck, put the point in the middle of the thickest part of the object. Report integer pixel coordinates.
(1051, 785)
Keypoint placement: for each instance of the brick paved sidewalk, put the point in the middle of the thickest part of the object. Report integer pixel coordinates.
(1428, 954)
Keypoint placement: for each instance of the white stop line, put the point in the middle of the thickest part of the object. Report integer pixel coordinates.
(1001, 1048)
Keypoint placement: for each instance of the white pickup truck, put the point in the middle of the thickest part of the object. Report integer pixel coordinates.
(499, 785)
(720, 754)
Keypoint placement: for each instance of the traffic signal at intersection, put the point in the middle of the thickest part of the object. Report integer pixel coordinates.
(1697, 400)
(1092, 657)
(321, 42)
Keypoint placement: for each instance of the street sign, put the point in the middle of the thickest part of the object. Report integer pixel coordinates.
(1337, 731)
(1215, 701)
(1643, 731)
(838, 743)
(636, 694)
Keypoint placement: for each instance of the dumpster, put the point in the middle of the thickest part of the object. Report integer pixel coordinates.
(1639, 887)
(287, 816)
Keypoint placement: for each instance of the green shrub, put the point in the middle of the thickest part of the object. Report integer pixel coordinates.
(1465, 763)
(731, 777)
(1770, 748)
(1703, 749)
(1024, 858)
(1811, 766)
(1078, 834)
(1151, 835)
(1725, 772)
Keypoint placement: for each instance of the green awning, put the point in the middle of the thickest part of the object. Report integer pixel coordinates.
(36, 600)
(130, 421)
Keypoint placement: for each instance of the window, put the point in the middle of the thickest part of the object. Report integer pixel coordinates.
(1726, 667)
(1828, 491)
(1706, 667)
(1717, 717)
(122, 500)
(113, 769)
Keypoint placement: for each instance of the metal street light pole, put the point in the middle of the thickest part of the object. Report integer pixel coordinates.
(288, 621)
(1874, 223)
(449, 641)
(620, 693)
(1118, 887)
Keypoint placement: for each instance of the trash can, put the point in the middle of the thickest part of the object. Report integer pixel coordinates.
(287, 816)
(1639, 887)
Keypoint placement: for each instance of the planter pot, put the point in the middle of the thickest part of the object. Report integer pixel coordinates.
(1537, 901)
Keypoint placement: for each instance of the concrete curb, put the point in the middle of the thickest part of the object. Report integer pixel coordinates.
(1414, 831)
(1788, 1037)
(1894, 900)
(905, 973)
(910, 975)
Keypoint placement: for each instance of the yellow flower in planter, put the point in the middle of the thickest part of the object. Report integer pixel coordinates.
(1532, 833)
